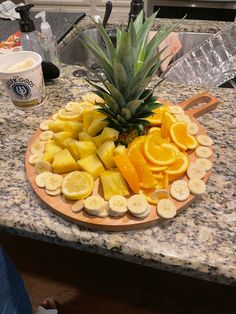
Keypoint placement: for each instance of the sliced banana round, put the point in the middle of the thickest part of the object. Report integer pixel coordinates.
(183, 117)
(94, 205)
(179, 190)
(145, 214)
(117, 205)
(37, 147)
(203, 152)
(204, 140)
(55, 116)
(77, 206)
(71, 105)
(192, 128)
(42, 166)
(197, 186)
(104, 212)
(53, 192)
(205, 163)
(34, 158)
(53, 182)
(46, 135)
(196, 171)
(176, 110)
(166, 209)
(40, 179)
(137, 204)
(44, 125)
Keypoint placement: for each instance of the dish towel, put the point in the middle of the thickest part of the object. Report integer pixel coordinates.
(7, 10)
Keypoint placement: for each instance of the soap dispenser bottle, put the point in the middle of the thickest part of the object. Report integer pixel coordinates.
(29, 36)
(48, 41)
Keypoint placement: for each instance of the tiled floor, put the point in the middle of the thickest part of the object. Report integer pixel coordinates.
(86, 283)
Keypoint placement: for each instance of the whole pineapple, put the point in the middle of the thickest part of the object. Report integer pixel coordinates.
(129, 68)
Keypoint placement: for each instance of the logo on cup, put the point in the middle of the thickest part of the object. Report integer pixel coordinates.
(21, 90)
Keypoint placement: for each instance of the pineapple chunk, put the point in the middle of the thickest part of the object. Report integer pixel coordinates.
(105, 153)
(97, 140)
(113, 183)
(109, 134)
(96, 126)
(73, 127)
(86, 149)
(71, 145)
(56, 126)
(89, 116)
(120, 150)
(63, 162)
(60, 137)
(92, 165)
(84, 136)
(50, 149)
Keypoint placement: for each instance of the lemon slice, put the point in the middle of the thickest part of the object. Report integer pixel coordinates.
(68, 115)
(77, 185)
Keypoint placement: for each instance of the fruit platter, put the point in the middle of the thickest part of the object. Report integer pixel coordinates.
(120, 158)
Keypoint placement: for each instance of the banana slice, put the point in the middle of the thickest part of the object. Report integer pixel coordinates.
(196, 171)
(40, 179)
(55, 116)
(44, 125)
(183, 117)
(34, 158)
(117, 205)
(145, 214)
(104, 212)
(94, 205)
(192, 128)
(176, 110)
(42, 166)
(53, 182)
(37, 147)
(166, 209)
(203, 152)
(204, 140)
(197, 186)
(205, 163)
(179, 190)
(137, 204)
(77, 206)
(46, 135)
(54, 192)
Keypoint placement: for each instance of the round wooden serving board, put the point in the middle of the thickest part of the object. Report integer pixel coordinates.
(62, 207)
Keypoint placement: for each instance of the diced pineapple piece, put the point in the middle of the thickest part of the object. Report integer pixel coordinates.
(63, 162)
(105, 153)
(113, 183)
(48, 156)
(109, 134)
(86, 148)
(92, 165)
(74, 127)
(60, 137)
(84, 136)
(56, 126)
(71, 145)
(96, 126)
(50, 149)
(120, 150)
(89, 116)
(97, 140)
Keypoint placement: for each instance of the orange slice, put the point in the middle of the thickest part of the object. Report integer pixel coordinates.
(180, 136)
(180, 166)
(167, 121)
(156, 118)
(156, 151)
(128, 171)
(136, 143)
(155, 129)
(145, 175)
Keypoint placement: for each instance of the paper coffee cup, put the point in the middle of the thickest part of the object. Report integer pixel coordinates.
(22, 76)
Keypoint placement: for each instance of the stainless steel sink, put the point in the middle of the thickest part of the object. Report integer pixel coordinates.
(76, 53)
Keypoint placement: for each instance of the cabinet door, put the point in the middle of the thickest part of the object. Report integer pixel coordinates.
(62, 5)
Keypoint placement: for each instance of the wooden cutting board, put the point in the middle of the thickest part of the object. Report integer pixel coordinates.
(62, 207)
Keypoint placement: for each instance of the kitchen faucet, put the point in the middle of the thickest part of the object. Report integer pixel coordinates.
(136, 6)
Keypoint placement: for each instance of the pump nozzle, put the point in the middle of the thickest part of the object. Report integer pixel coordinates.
(45, 26)
(25, 23)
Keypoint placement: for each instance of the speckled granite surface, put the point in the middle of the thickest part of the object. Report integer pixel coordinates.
(199, 242)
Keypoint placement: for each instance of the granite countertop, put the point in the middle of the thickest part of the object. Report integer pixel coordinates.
(199, 242)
